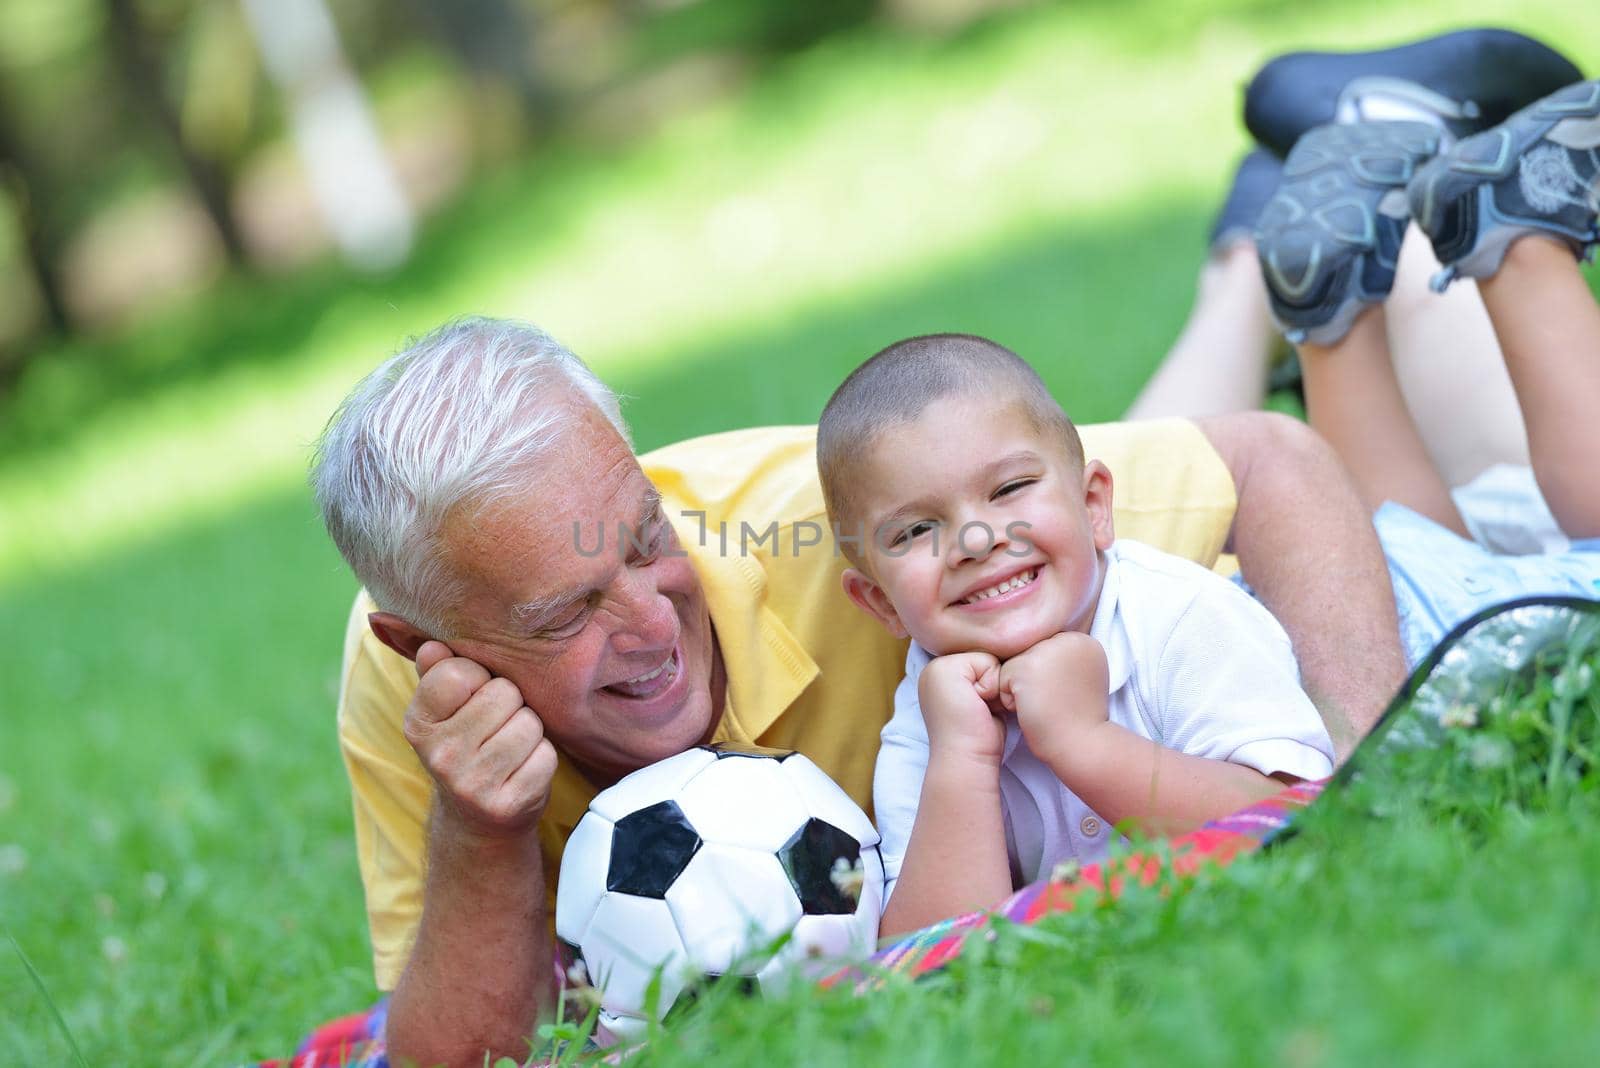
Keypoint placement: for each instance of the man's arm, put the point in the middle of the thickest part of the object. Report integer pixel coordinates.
(1305, 543)
(480, 973)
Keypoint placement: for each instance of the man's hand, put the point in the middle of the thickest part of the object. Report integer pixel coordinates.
(486, 750)
(957, 694)
(1057, 689)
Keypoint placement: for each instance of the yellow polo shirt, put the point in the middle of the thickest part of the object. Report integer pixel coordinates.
(806, 669)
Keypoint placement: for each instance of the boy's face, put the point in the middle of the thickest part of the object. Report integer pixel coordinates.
(982, 533)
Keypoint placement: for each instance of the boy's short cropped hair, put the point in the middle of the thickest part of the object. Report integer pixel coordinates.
(898, 383)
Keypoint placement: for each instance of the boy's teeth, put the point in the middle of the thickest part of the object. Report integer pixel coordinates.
(1005, 587)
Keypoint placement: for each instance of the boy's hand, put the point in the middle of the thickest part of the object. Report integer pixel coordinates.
(1057, 689)
(957, 693)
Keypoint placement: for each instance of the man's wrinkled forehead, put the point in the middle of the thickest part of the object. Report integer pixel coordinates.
(522, 541)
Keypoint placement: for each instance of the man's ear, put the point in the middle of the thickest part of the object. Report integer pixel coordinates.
(1097, 502)
(397, 634)
(869, 596)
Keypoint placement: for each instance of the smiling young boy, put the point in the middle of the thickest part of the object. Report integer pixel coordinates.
(1059, 682)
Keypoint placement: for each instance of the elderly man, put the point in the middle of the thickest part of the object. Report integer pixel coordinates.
(575, 612)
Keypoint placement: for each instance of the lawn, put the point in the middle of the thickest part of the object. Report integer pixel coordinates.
(175, 844)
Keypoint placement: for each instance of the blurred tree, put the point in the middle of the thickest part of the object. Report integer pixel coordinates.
(352, 177)
(25, 182)
(491, 40)
(138, 61)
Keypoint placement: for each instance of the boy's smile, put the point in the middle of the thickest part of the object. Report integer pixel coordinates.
(984, 531)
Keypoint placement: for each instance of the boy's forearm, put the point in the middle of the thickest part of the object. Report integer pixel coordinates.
(1129, 779)
(955, 861)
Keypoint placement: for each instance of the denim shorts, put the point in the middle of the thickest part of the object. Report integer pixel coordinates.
(1441, 578)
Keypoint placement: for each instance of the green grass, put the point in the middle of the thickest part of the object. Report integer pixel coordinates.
(1438, 909)
(175, 844)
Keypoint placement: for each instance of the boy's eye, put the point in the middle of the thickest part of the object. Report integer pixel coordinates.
(915, 530)
(1008, 488)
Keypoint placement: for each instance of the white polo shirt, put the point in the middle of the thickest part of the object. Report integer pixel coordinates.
(1196, 664)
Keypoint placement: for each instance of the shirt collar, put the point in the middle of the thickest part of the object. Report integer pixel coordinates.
(1104, 629)
(767, 668)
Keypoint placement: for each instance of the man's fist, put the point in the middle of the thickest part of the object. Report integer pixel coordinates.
(958, 693)
(485, 749)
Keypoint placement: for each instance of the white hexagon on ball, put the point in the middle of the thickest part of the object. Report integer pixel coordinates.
(731, 904)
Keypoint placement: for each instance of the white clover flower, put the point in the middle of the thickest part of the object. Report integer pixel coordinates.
(1573, 684)
(1488, 752)
(1067, 871)
(848, 878)
(1459, 716)
(578, 973)
(114, 949)
(13, 859)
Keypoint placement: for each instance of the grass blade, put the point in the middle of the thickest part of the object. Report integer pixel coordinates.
(38, 981)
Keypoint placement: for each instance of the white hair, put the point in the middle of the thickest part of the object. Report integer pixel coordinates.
(453, 420)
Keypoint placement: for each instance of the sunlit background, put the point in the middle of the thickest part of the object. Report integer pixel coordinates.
(215, 215)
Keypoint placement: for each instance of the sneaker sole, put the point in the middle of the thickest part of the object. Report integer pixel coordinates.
(1498, 71)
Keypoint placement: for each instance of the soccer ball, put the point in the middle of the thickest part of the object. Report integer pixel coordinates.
(699, 864)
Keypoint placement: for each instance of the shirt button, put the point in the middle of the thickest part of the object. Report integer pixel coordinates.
(1090, 826)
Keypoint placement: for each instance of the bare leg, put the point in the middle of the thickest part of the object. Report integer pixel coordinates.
(1549, 328)
(1219, 362)
(1354, 401)
(1450, 370)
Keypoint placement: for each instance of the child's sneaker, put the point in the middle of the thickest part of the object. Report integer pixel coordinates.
(1537, 172)
(1463, 82)
(1330, 238)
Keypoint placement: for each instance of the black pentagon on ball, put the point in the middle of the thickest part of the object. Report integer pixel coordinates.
(649, 849)
(809, 858)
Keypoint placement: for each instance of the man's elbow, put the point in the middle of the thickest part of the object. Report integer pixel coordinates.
(1249, 441)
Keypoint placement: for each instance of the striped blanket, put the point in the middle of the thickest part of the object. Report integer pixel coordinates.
(356, 1041)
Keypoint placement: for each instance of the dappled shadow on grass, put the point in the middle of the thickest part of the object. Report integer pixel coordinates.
(188, 876)
(1093, 305)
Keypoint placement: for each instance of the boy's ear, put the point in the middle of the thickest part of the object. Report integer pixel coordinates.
(397, 634)
(869, 596)
(1097, 502)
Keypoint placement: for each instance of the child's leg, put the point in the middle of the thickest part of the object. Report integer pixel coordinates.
(1353, 400)
(1549, 328)
(1329, 244)
(1450, 370)
(1536, 175)
(1219, 362)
